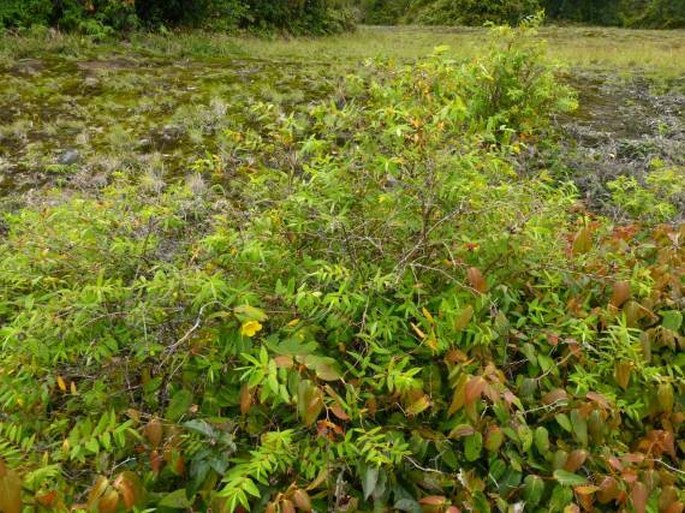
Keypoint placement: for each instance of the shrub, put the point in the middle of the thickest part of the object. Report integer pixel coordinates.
(113, 16)
(376, 304)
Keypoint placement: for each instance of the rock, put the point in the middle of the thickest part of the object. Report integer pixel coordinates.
(69, 157)
(144, 144)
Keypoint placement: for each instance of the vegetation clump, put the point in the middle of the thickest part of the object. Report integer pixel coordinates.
(105, 17)
(378, 301)
(627, 13)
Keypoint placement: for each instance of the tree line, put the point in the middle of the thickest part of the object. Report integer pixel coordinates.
(293, 16)
(625, 13)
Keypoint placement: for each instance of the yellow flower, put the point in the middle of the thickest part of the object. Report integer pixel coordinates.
(250, 328)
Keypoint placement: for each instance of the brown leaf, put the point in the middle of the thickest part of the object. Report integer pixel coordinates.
(464, 318)
(109, 502)
(10, 490)
(459, 397)
(418, 331)
(287, 506)
(418, 405)
(433, 500)
(245, 399)
(639, 496)
(622, 373)
(129, 487)
(555, 396)
(609, 490)
(476, 280)
(156, 461)
(620, 293)
(575, 460)
(337, 410)
(302, 500)
(284, 362)
(677, 507)
(153, 432)
(599, 399)
(668, 496)
(97, 490)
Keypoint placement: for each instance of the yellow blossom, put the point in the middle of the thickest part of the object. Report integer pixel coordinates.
(250, 328)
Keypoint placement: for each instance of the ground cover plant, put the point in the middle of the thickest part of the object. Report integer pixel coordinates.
(371, 292)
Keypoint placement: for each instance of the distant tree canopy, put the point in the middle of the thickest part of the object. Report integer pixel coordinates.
(296, 16)
(627, 13)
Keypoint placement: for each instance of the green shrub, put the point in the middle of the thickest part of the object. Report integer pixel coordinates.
(472, 12)
(375, 302)
(106, 17)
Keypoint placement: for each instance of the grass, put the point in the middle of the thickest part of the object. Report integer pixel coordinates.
(171, 97)
(661, 52)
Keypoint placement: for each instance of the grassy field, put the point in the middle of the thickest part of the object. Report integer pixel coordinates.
(159, 102)
(605, 48)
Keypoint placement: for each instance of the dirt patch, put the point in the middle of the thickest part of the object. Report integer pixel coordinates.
(623, 126)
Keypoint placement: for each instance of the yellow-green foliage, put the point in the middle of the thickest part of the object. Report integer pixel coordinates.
(374, 301)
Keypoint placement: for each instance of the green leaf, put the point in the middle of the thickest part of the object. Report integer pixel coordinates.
(562, 496)
(324, 367)
(542, 440)
(533, 488)
(179, 405)
(563, 420)
(249, 313)
(579, 424)
(200, 426)
(473, 445)
(569, 478)
(369, 481)
(176, 500)
(671, 320)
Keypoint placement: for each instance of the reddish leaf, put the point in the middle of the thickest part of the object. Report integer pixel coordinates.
(639, 496)
(47, 499)
(575, 460)
(433, 500)
(474, 389)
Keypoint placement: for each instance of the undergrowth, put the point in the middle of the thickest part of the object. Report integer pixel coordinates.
(375, 303)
